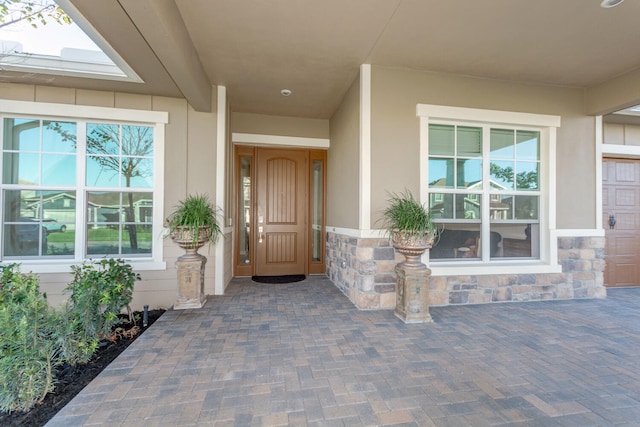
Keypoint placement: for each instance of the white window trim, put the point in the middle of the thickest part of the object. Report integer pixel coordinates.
(547, 125)
(156, 119)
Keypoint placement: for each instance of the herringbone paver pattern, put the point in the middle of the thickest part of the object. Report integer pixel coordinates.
(300, 354)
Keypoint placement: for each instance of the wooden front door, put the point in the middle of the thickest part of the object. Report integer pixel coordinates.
(621, 200)
(281, 212)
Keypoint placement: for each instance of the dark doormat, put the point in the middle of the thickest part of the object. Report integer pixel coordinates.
(279, 279)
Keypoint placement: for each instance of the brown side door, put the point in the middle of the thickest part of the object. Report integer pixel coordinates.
(281, 212)
(621, 200)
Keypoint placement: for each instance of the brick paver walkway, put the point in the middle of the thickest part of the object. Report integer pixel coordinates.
(300, 354)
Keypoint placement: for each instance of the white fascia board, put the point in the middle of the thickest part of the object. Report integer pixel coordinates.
(63, 67)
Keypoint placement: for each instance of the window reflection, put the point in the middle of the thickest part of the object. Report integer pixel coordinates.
(457, 242)
(37, 152)
(119, 222)
(460, 198)
(455, 206)
(517, 240)
(39, 223)
(245, 206)
(316, 211)
(469, 174)
(119, 156)
(441, 172)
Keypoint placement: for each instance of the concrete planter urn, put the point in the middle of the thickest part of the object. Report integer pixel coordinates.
(412, 247)
(184, 237)
(412, 278)
(412, 232)
(191, 225)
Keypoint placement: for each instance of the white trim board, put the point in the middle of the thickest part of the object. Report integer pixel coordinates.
(45, 109)
(378, 233)
(293, 141)
(494, 269)
(354, 232)
(576, 232)
(364, 220)
(221, 144)
(486, 116)
(599, 146)
(624, 151)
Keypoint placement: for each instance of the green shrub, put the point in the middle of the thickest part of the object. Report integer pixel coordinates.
(34, 338)
(28, 347)
(75, 345)
(99, 293)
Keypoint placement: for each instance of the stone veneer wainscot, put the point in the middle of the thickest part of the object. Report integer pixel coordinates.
(363, 269)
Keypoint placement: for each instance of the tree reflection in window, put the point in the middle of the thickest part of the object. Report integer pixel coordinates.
(118, 156)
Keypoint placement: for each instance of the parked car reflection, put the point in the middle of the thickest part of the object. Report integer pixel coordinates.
(26, 238)
(53, 226)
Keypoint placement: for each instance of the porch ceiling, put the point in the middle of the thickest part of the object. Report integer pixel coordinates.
(314, 48)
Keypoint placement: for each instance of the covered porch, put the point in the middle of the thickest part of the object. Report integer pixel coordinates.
(301, 354)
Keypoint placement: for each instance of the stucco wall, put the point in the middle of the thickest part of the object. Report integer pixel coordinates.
(343, 166)
(262, 124)
(614, 94)
(395, 132)
(190, 158)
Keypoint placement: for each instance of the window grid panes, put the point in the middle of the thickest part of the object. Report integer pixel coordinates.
(484, 174)
(119, 155)
(456, 158)
(38, 152)
(40, 162)
(119, 223)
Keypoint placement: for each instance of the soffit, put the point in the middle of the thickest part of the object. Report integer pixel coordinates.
(257, 48)
(314, 48)
(570, 42)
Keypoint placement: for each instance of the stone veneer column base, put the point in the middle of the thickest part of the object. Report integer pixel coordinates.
(364, 270)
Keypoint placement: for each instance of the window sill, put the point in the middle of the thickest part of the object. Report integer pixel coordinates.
(503, 267)
(64, 266)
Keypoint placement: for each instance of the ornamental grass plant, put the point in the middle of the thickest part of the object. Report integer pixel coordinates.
(195, 213)
(408, 217)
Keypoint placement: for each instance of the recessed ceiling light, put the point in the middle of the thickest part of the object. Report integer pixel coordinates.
(285, 92)
(610, 3)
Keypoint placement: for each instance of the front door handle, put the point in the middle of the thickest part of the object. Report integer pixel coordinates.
(612, 221)
(260, 230)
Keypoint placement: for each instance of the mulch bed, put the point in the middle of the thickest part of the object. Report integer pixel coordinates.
(71, 379)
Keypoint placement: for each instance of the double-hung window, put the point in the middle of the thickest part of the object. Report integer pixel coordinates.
(80, 182)
(485, 178)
